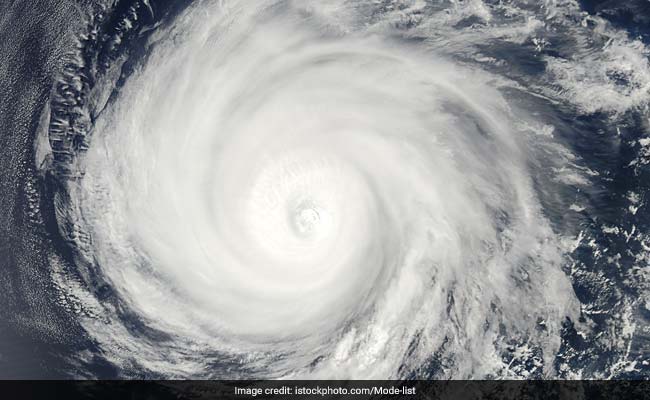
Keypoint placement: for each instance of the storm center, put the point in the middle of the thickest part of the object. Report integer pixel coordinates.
(306, 218)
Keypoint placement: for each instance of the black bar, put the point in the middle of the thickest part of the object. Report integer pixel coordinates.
(246, 390)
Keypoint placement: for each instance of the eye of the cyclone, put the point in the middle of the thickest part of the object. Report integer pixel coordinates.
(307, 218)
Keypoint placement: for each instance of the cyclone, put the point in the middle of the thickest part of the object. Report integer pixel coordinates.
(328, 190)
(263, 186)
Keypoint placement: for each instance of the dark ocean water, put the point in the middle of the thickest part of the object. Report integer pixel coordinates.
(53, 53)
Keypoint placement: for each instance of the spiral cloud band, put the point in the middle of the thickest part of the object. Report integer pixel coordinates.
(276, 192)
